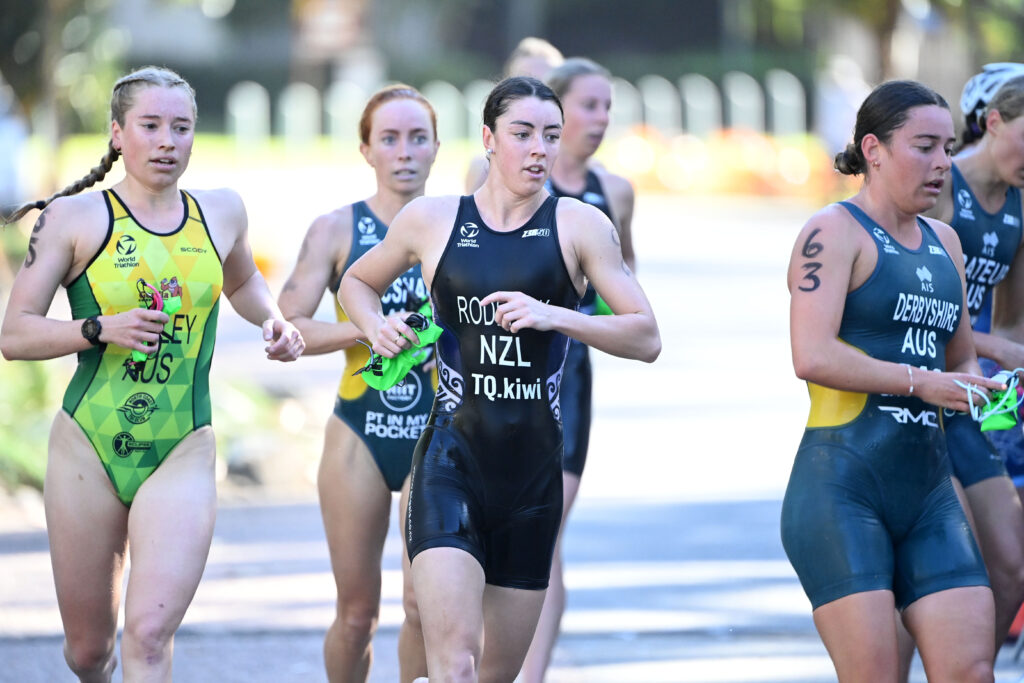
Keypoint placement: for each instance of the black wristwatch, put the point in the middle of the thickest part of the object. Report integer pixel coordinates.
(91, 329)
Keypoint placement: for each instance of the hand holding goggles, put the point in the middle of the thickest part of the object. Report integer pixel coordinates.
(383, 373)
(1001, 411)
(151, 298)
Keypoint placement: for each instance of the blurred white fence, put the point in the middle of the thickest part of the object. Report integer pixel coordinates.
(694, 104)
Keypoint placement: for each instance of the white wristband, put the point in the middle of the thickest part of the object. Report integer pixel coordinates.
(910, 372)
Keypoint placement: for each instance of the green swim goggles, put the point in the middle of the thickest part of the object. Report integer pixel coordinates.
(166, 299)
(383, 373)
(999, 412)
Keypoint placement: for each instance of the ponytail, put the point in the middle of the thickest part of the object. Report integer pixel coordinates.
(95, 175)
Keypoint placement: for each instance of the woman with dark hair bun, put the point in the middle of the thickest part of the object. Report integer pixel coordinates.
(880, 332)
(505, 268)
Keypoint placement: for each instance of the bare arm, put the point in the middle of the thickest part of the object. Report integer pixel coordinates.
(324, 248)
(244, 285)
(623, 198)
(476, 174)
(631, 333)
(65, 236)
(960, 352)
(1005, 344)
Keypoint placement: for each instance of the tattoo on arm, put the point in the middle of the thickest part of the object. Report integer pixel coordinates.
(615, 238)
(30, 257)
(810, 250)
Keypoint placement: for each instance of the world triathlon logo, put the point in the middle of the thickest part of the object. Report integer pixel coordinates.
(125, 445)
(126, 245)
(138, 408)
(404, 396)
(467, 233)
(367, 228)
(964, 198)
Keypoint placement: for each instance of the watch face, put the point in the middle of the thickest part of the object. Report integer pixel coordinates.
(90, 329)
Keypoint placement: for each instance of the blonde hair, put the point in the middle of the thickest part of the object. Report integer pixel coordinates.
(1008, 100)
(533, 47)
(561, 77)
(122, 99)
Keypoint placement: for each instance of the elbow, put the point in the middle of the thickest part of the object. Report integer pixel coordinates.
(649, 352)
(807, 369)
(652, 351)
(9, 349)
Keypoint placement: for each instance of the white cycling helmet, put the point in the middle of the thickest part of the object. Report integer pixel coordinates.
(978, 91)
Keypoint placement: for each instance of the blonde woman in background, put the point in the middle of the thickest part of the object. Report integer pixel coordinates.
(533, 57)
(585, 89)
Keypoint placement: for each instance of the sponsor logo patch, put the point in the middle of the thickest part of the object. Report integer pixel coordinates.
(138, 408)
(125, 445)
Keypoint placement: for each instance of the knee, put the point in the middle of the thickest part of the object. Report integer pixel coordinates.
(88, 657)
(147, 637)
(979, 671)
(412, 611)
(357, 621)
(458, 666)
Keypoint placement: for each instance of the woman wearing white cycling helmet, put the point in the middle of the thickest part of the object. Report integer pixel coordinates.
(981, 200)
(978, 92)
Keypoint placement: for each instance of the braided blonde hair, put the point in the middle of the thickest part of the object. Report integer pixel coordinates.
(122, 99)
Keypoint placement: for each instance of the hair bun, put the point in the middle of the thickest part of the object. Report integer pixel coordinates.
(849, 162)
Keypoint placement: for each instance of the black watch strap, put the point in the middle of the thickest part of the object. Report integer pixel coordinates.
(91, 329)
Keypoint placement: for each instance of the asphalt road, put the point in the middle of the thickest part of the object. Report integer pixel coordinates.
(675, 568)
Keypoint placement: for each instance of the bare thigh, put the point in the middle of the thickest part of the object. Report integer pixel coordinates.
(170, 528)
(998, 521)
(87, 528)
(859, 632)
(356, 506)
(449, 585)
(953, 629)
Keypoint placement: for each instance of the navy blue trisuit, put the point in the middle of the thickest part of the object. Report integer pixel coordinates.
(487, 471)
(388, 421)
(578, 378)
(870, 504)
(990, 242)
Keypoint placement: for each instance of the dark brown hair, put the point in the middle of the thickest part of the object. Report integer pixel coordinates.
(884, 111)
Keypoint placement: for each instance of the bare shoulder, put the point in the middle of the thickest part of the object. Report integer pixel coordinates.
(616, 185)
(433, 207)
(832, 219)
(476, 173)
(574, 215)
(832, 226)
(223, 205)
(80, 220)
(89, 209)
(433, 214)
(333, 227)
(947, 235)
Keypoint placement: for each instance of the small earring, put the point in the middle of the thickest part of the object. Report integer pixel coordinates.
(489, 152)
(875, 164)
